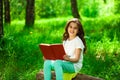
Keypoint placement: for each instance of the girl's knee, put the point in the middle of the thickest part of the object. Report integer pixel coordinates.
(57, 63)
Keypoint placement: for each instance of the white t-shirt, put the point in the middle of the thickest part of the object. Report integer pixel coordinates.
(70, 46)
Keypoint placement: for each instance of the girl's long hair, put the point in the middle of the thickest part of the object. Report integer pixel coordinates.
(80, 33)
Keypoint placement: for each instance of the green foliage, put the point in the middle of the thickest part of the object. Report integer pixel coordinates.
(43, 8)
(21, 59)
(90, 9)
(117, 6)
(62, 8)
(103, 47)
(17, 9)
(52, 8)
(20, 54)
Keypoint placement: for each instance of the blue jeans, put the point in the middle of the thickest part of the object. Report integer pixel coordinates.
(59, 67)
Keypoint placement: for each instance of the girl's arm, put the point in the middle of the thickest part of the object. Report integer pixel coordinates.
(77, 56)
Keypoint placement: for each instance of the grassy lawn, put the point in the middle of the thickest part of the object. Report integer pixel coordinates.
(21, 59)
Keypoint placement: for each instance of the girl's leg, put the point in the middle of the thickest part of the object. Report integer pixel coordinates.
(68, 67)
(47, 70)
(62, 66)
(58, 69)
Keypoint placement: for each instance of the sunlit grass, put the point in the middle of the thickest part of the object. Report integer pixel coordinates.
(22, 57)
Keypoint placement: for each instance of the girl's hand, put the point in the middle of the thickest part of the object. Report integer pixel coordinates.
(66, 57)
(44, 58)
(76, 58)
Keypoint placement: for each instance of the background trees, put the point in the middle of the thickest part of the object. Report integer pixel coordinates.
(30, 13)
(74, 9)
(20, 57)
(56, 8)
(7, 11)
(1, 18)
(6, 15)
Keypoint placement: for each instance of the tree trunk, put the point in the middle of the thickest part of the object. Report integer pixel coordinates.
(1, 19)
(74, 8)
(7, 11)
(30, 14)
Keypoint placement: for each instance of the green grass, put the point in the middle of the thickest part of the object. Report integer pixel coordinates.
(21, 59)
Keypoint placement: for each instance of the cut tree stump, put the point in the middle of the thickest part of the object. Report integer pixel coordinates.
(79, 76)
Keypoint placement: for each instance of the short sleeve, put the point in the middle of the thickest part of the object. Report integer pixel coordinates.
(79, 43)
(64, 43)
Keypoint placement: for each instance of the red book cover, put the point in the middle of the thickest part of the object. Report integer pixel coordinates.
(52, 51)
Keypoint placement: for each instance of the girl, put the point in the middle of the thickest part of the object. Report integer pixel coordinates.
(74, 45)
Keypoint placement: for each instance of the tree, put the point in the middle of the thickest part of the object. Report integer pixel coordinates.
(105, 1)
(74, 8)
(1, 18)
(30, 14)
(7, 11)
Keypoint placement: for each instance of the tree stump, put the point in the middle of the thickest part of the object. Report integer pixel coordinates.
(79, 76)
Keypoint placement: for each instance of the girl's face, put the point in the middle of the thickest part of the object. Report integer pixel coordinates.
(72, 29)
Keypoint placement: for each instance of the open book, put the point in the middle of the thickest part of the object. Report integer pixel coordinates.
(52, 51)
